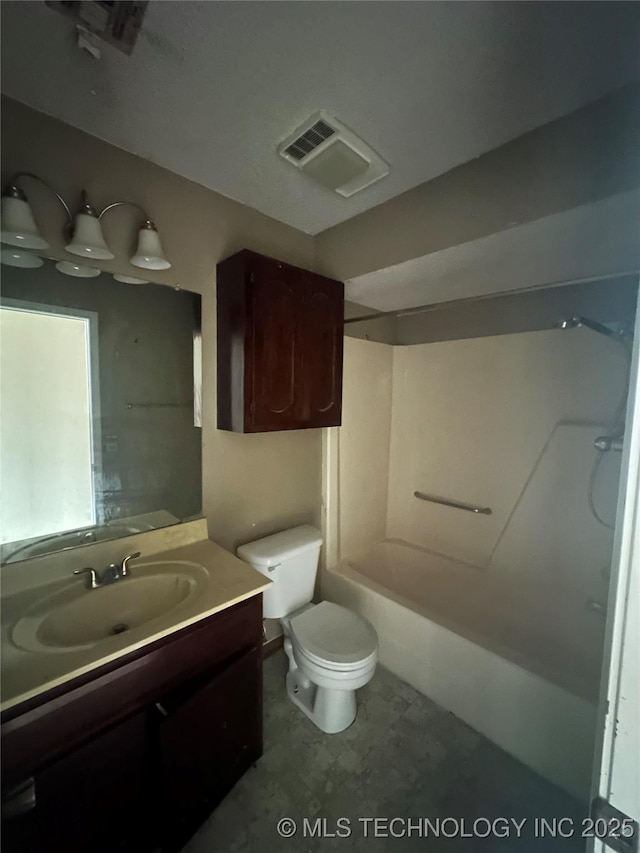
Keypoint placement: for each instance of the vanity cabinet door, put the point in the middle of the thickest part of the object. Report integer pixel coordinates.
(208, 734)
(93, 798)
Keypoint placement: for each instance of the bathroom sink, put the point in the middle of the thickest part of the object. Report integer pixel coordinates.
(76, 618)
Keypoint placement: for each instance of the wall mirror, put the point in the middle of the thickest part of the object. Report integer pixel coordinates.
(100, 408)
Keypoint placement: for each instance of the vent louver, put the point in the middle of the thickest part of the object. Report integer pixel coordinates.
(309, 140)
(331, 154)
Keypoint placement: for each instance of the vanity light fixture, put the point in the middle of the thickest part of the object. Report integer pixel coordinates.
(18, 258)
(19, 228)
(18, 224)
(149, 254)
(88, 240)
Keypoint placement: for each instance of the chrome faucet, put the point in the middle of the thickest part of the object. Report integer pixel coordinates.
(94, 579)
(124, 565)
(111, 574)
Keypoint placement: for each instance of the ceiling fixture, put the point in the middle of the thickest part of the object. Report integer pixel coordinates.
(19, 228)
(330, 153)
(117, 22)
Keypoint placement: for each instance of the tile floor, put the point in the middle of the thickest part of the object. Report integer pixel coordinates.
(404, 757)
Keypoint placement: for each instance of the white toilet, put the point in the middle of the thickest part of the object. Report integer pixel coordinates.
(332, 651)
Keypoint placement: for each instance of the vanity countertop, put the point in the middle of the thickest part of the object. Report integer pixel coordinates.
(26, 674)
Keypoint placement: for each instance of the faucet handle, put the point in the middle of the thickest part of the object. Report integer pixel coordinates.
(124, 565)
(94, 582)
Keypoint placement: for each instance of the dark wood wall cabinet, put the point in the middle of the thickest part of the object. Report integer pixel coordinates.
(280, 338)
(134, 756)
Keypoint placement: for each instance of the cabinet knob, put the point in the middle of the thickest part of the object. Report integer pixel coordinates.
(161, 709)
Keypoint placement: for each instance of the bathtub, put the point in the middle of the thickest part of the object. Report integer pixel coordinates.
(517, 663)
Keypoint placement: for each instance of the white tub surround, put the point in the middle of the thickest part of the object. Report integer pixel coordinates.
(484, 655)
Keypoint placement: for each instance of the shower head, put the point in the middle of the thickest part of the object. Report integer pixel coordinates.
(585, 322)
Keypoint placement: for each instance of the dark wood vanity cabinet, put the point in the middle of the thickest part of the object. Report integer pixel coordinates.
(280, 342)
(93, 798)
(135, 757)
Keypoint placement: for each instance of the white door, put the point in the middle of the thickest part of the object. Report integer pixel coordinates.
(617, 761)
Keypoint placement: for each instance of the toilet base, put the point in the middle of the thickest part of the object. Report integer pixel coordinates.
(331, 710)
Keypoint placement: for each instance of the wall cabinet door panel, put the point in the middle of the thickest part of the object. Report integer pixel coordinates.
(323, 334)
(280, 335)
(276, 358)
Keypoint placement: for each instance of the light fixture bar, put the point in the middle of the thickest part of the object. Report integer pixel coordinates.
(124, 204)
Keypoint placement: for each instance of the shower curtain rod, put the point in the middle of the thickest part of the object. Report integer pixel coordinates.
(423, 309)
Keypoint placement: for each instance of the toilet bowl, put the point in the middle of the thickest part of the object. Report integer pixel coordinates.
(331, 650)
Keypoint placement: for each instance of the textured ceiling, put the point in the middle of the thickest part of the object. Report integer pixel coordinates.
(212, 87)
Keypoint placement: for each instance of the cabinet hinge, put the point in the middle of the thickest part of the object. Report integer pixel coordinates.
(614, 828)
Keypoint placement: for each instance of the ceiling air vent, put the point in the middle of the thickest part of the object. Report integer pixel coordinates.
(115, 21)
(313, 137)
(332, 155)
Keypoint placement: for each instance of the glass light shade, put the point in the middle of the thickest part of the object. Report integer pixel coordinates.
(77, 270)
(88, 240)
(149, 254)
(17, 258)
(18, 225)
(129, 279)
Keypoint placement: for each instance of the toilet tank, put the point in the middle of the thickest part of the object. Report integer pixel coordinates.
(290, 560)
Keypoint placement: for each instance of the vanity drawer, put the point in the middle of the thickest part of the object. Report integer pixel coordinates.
(63, 719)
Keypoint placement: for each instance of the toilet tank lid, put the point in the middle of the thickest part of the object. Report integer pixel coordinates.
(272, 550)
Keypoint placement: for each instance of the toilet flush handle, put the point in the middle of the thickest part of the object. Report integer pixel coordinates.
(273, 568)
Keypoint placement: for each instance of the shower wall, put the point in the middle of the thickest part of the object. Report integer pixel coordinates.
(363, 444)
(506, 422)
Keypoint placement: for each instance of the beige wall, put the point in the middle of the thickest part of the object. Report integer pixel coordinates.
(363, 444)
(252, 485)
(585, 156)
(477, 421)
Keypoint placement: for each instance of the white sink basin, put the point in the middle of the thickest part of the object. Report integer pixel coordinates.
(77, 618)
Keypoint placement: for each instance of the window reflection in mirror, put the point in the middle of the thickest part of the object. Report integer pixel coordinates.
(97, 399)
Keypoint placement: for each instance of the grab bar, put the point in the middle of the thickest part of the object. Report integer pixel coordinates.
(482, 510)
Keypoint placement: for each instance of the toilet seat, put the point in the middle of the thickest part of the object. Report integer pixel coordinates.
(334, 638)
